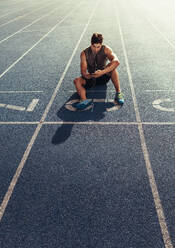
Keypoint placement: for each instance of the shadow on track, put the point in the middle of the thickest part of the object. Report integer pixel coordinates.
(95, 114)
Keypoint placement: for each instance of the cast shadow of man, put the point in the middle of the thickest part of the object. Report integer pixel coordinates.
(69, 118)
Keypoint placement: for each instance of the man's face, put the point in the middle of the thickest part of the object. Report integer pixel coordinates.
(96, 47)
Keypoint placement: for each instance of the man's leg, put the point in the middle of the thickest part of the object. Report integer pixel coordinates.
(79, 84)
(84, 102)
(115, 79)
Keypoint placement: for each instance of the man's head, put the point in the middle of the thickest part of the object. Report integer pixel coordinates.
(96, 42)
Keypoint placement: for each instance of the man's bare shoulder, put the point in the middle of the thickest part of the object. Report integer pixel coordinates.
(110, 54)
(107, 49)
(82, 54)
(83, 58)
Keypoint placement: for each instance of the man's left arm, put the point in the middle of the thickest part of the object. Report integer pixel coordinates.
(114, 63)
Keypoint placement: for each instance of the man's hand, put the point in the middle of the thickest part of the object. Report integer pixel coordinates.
(88, 76)
(97, 74)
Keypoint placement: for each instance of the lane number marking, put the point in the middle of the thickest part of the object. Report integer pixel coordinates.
(156, 104)
(30, 108)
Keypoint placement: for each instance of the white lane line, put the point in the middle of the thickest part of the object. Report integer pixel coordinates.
(105, 123)
(163, 35)
(88, 123)
(83, 123)
(20, 92)
(20, 30)
(22, 16)
(158, 123)
(37, 130)
(32, 105)
(160, 90)
(19, 122)
(128, 70)
(42, 30)
(51, 30)
(9, 13)
(155, 193)
(156, 28)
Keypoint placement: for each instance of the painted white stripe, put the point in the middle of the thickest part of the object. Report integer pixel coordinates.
(155, 27)
(163, 35)
(32, 105)
(33, 31)
(83, 123)
(10, 36)
(155, 193)
(9, 13)
(37, 130)
(160, 90)
(15, 107)
(16, 92)
(105, 123)
(22, 16)
(128, 70)
(19, 122)
(51, 30)
(2, 105)
(87, 123)
(158, 123)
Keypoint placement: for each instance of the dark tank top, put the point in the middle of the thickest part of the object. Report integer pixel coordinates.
(97, 61)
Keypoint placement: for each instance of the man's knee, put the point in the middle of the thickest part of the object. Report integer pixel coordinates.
(75, 81)
(78, 81)
(113, 72)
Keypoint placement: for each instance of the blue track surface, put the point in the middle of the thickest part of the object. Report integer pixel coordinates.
(97, 178)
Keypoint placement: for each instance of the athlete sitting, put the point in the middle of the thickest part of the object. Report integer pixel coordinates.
(95, 70)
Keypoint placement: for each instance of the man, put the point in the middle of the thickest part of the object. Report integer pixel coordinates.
(95, 70)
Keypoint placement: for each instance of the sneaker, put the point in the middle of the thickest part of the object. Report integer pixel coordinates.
(84, 104)
(119, 98)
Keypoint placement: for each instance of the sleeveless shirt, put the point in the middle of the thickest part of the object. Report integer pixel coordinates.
(95, 61)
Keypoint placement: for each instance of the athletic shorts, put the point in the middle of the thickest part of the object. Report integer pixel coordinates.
(97, 81)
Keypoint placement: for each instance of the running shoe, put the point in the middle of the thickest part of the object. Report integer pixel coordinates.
(119, 98)
(83, 104)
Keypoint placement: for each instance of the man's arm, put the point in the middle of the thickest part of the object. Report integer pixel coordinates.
(84, 72)
(114, 62)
